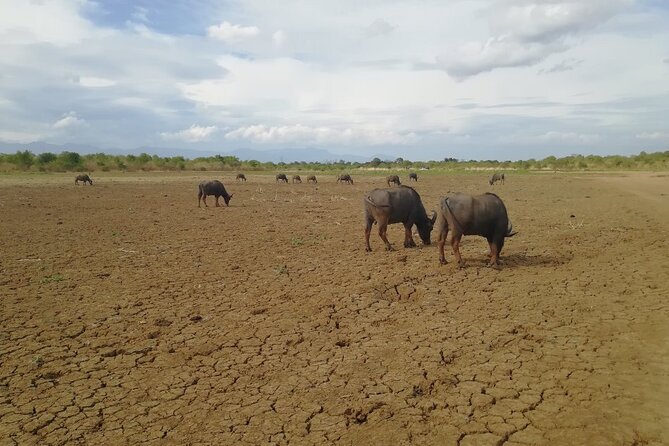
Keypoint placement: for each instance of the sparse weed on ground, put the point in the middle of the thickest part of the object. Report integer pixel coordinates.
(52, 278)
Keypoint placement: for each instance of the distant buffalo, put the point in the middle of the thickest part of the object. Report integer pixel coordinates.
(413, 176)
(297, 179)
(214, 188)
(85, 178)
(397, 205)
(345, 178)
(496, 177)
(312, 179)
(281, 178)
(241, 177)
(483, 215)
(394, 179)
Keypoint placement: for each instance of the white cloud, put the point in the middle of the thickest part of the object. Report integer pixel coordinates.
(194, 133)
(497, 52)
(525, 32)
(68, 120)
(533, 20)
(228, 32)
(379, 27)
(653, 135)
(305, 134)
(95, 82)
(579, 138)
(279, 38)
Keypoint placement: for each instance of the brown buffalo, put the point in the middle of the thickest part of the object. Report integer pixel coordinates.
(345, 178)
(396, 205)
(297, 179)
(241, 177)
(312, 179)
(483, 215)
(214, 188)
(281, 178)
(394, 179)
(83, 177)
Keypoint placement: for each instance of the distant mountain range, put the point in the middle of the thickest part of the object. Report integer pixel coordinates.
(276, 155)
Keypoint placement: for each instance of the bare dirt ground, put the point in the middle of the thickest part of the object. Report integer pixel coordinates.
(130, 316)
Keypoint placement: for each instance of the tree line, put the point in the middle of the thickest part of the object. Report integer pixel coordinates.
(26, 161)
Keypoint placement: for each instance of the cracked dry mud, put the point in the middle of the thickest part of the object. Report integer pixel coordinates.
(130, 316)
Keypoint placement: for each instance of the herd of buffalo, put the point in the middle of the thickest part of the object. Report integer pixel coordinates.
(484, 215)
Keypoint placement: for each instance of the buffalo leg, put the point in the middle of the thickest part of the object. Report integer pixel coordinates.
(368, 231)
(440, 244)
(199, 197)
(408, 238)
(383, 230)
(217, 205)
(455, 244)
(204, 200)
(494, 254)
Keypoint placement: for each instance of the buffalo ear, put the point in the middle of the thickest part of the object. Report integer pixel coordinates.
(230, 196)
(434, 217)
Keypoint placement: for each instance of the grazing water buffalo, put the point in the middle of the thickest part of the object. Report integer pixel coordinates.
(241, 177)
(214, 188)
(393, 179)
(312, 179)
(483, 215)
(497, 177)
(397, 205)
(282, 177)
(345, 178)
(85, 178)
(413, 176)
(297, 179)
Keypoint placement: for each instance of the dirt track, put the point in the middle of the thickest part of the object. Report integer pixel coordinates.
(129, 315)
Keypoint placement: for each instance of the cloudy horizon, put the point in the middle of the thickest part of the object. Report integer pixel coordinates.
(469, 79)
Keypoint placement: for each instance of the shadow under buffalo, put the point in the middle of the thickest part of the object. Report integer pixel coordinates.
(520, 259)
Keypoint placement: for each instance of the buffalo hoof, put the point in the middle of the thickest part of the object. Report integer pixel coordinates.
(368, 249)
(389, 248)
(496, 266)
(410, 245)
(461, 264)
(442, 261)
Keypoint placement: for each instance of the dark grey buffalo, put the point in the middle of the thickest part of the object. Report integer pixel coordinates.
(85, 178)
(483, 215)
(394, 179)
(496, 177)
(413, 176)
(397, 205)
(214, 188)
(241, 177)
(297, 179)
(345, 178)
(281, 178)
(312, 179)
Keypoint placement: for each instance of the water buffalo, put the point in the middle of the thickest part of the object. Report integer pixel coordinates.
(214, 188)
(241, 177)
(282, 177)
(483, 215)
(496, 177)
(85, 178)
(345, 178)
(312, 179)
(297, 179)
(397, 205)
(393, 179)
(413, 176)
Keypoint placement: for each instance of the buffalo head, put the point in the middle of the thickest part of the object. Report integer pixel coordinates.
(227, 199)
(425, 230)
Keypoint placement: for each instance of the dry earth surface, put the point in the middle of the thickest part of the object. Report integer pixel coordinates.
(130, 316)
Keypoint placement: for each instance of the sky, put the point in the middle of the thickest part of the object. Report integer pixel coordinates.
(421, 79)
